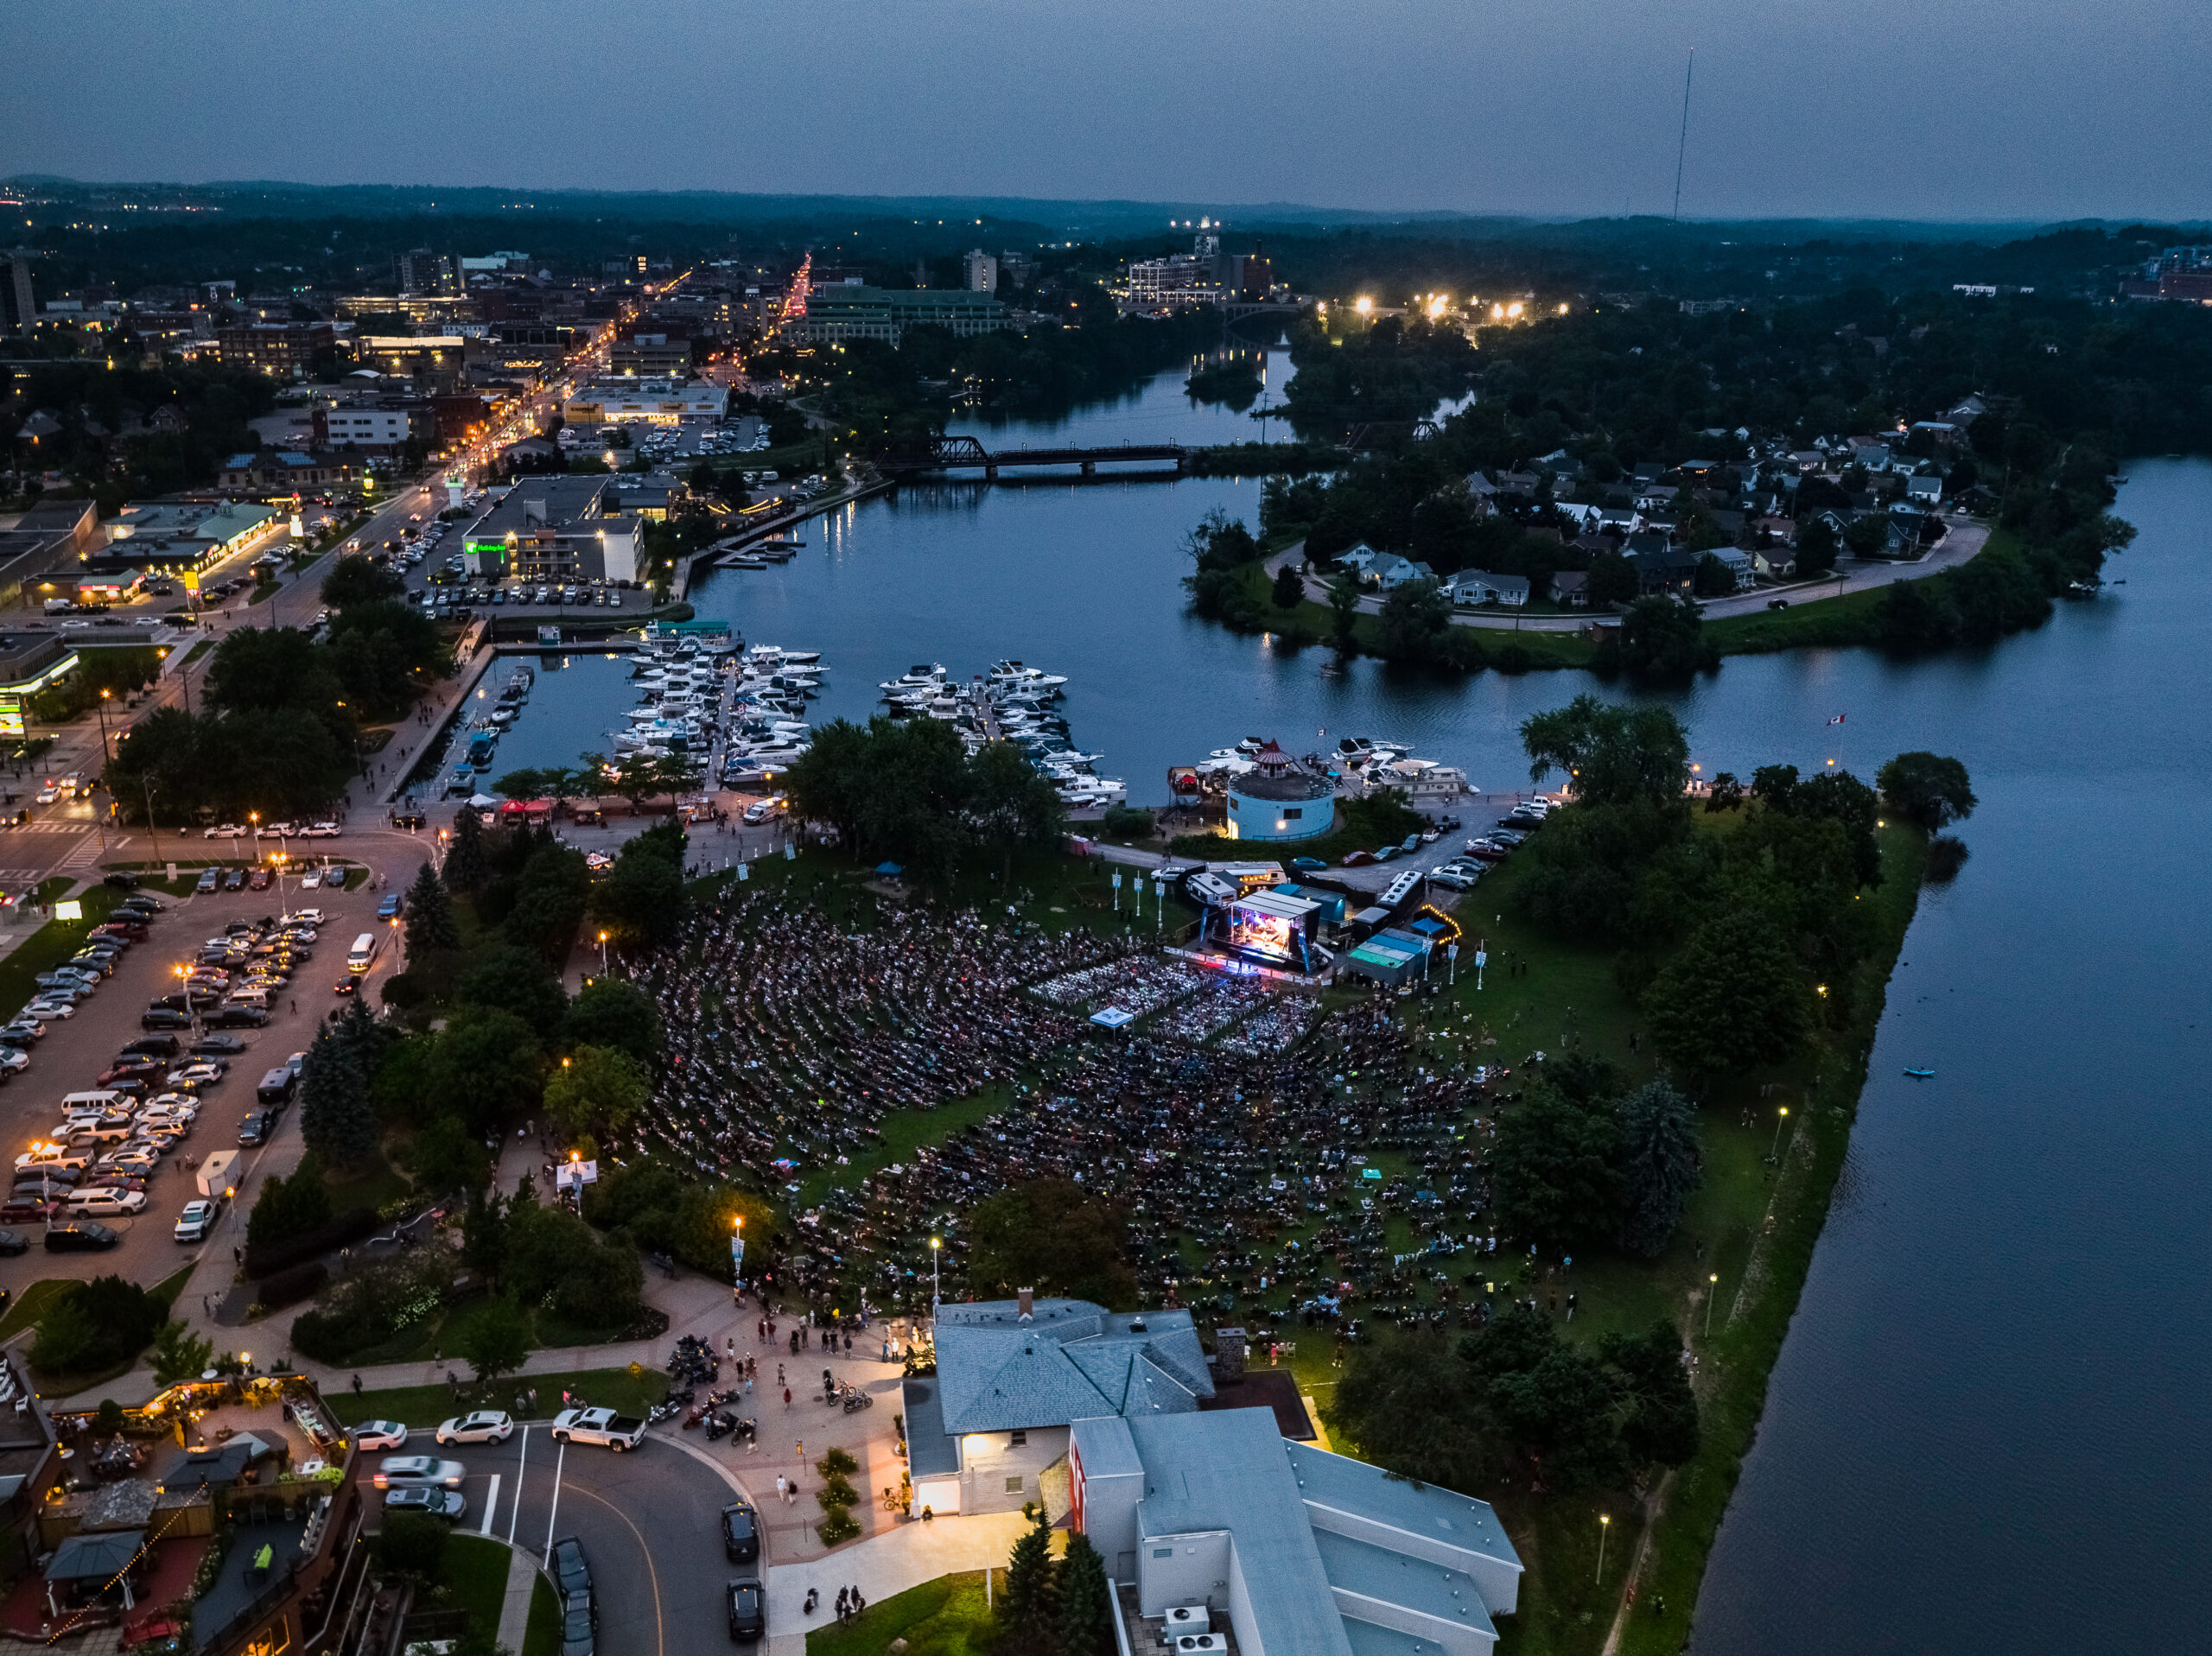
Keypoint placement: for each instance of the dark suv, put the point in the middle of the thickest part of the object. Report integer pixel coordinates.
(740, 1533)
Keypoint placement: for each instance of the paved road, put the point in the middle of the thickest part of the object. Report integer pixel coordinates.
(1966, 539)
(649, 1521)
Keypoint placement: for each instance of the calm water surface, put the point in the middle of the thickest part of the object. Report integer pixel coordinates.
(1985, 1430)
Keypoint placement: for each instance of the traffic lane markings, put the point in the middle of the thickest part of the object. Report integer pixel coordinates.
(650, 1520)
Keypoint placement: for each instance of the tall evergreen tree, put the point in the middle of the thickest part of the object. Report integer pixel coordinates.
(429, 915)
(337, 1120)
(362, 1037)
(1086, 1606)
(468, 863)
(1030, 1589)
(1662, 1161)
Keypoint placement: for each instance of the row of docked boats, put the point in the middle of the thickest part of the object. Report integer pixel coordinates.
(479, 736)
(1011, 703)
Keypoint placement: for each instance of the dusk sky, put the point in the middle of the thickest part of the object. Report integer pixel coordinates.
(1964, 108)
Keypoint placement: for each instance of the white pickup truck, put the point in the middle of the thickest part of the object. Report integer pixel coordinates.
(617, 1432)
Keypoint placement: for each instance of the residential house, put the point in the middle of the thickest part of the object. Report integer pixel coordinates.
(1777, 562)
(1570, 588)
(1871, 452)
(1360, 560)
(1517, 482)
(1739, 564)
(1391, 572)
(1924, 488)
(1472, 587)
(1660, 565)
(1655, 497)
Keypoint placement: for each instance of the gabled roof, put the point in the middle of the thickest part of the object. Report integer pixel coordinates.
(1071, 1360)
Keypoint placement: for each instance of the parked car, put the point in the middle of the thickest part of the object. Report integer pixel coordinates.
(448, 1504)
(106, 1200)
(748, 1611)
(13, 1242)
(418, 1472)
(196, 1221)
(741, 1533)
(211, 879)
(218, 1046)
(380, 1434)
(570, 1570)
(485, 1426)
(80, 1236)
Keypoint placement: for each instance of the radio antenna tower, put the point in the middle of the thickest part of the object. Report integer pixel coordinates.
(1682, 146)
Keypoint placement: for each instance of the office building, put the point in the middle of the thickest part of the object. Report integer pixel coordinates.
(649, 401)
(556, 528)
(651, 355)
(21, 308)
(284, 350)
(854, 311)
(982, 272)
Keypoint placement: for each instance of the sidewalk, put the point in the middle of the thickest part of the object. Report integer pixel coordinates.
(881, 1565)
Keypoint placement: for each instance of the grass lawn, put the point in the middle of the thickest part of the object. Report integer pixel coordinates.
(903, 1131)
(53, 943)
(31, 1304)
(473, 1577)
(370, 1185)
(542, 1636)
(425, 1406)
(944, 1617)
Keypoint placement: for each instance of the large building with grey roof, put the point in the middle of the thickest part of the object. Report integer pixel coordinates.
(1206, 1515)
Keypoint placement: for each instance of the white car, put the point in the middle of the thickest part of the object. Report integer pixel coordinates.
(380, 1434)
(45, 1009)
(196, 1221)
(418, 1472)
(104, 1200)
(311, 879)
(485, 1426)
(13, 1058)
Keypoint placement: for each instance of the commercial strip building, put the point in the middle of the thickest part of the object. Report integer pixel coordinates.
(49, 537)
(1115, 1422)
(852, 311)
(289, 471)
(556, 528)
(648, 401)
(184, 537)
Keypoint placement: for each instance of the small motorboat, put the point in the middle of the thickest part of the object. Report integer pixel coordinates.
(1920, 1075)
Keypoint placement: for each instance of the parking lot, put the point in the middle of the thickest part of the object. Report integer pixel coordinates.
(74, 1050)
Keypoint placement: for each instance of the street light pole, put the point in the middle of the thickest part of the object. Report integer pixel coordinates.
(1604, 1525)
(1780, 1118)
(1712, 1293)
(936, 1249)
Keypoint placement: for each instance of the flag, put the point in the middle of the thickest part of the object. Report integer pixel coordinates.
(1837, 720)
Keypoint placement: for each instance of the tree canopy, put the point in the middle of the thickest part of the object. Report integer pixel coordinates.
(1927, 789)
(1051, 1236)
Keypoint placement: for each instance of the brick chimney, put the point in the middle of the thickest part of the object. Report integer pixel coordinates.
(1228, 1354)
(1024, 1301)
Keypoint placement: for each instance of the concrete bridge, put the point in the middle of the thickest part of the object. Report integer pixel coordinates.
(948, 454)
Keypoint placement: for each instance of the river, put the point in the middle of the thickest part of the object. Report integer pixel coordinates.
(1988, 1393)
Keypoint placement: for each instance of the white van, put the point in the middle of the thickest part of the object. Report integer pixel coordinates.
(363, 955)
(102, 1103)
(253, 996)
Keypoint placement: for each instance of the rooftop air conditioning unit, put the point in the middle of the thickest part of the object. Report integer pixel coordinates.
(1188, 1618)
(1202, 1643)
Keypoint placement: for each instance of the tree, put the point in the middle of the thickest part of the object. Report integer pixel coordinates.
(1927, 789)
(1289, 590)
(1553, 1402)
(468, 861)
(1611, 580)
(337, 1121)
(1051, 1236)
(525, 784)
(514, 980)
(1816, 548)
(641, 900)
(1612, 755)
(1657, 1409)
(496, 1340)
(179, 1355)
(614, 1013)
(596, 1090)
(430, 925)
(1726, 793)
(1011, 807)
(362, 1037)
(485, 1069)
(361, 580)
(1031, 1600)
(1086, 1627)
(1412, 1406)
(1661, 1162)
(1415, 624)
(1344, 614)
(1732, 998)
(1553, 1169)
(289, 1207)
(830, 782)
(1714, 578)
(484, 1233)
(445, 1156)
(1662, 641)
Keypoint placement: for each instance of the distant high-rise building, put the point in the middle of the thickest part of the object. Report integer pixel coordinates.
(21, 308)
(982, 272)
